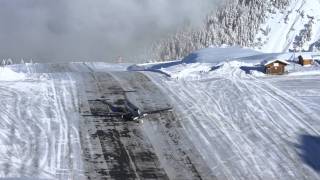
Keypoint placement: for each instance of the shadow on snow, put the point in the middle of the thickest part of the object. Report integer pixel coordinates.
(157, 67)
(249, 69)
(310, 151)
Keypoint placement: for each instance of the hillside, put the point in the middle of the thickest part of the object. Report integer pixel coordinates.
(269, 26)
(297, 27)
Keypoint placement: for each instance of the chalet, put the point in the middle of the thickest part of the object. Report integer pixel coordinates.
(275, 67)
(303, 61)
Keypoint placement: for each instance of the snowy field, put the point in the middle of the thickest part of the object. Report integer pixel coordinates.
(64, 121)
(39, 127)
(237, 121)
(237, 117)
(212, 115)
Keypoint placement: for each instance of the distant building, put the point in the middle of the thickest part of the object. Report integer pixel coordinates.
(275, 67)
(305, 60)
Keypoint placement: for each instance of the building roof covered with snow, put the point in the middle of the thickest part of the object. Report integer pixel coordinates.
(268, 62)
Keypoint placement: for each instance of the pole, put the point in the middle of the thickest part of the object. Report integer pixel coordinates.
(294, 57)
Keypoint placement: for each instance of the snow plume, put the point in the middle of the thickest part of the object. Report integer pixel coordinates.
(78, 30)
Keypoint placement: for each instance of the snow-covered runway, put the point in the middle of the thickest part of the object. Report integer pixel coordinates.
(62, 122)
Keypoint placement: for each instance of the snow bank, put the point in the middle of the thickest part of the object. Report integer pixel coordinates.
(216, 55)
(201, 61)
(223, 61)
(102, 66)
(6, 74)
(188, 71)
(305, 73)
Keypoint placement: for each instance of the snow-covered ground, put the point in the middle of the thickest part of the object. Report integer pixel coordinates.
(284, 28)
(237, 122)
(245, 124)
(39, 122)
(6, 74)
(64, 121)
(248, 127)
(228, 119)
(203, 62)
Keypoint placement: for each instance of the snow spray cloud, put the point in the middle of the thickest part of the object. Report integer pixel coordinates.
(90, 30)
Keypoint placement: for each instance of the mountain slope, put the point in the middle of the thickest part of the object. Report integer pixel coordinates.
(269, 26)
(295, 27)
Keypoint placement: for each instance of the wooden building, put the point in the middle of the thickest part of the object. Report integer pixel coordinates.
(275, 67)
(303, 61)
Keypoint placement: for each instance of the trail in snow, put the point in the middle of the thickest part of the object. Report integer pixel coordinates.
(237, 121)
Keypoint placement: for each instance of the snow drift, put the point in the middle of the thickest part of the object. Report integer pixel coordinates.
(6, 74)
